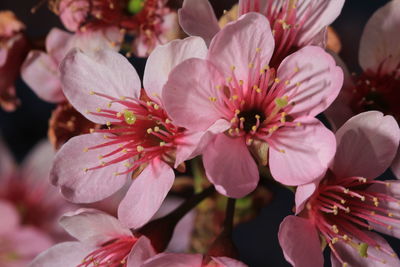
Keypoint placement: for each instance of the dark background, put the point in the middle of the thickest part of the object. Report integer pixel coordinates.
(256, 240)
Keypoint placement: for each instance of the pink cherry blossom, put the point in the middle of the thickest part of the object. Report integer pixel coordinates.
(29, 189)
(265, 112)
(13, 48)
(376, 88)
(102, 240)
(139, 136)
(16, 249)
(152, 24)
(190, 260)
(348, 203)
(40, 69)
(295, 23)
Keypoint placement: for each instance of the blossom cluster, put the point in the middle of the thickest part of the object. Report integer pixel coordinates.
(232, 104)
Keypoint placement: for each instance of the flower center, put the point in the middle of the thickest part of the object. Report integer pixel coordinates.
(111, 254)
(141, 130)
(251, 119)
(343, 211)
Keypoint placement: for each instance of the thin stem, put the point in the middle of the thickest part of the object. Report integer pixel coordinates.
(229, 216)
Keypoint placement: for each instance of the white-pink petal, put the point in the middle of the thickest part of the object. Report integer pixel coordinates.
(314, 80)
(176, 260)
(146, 194)
(106, 72)
(366, 145)
(78, 184)
(164, 58)
(141, 251)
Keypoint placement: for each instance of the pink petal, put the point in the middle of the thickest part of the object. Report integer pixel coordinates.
(100, 39)
(10, 220)
(321, 14)
(40, 72)
(164, 58)
(300, 242)
(228, 262)
(29, 241)
(93, 227)
(230, 166)
(105, 72)
(73, 13)
(193, 143)
(65, 254)
(176, 260)
(80, 186)
(197, 18)
(246, 41)
(390, 207)
(300, 155)
(376, 258)
(182, 105)
(380, 38)
(141, 251)
(367, 145)
(146, 194)
(303, 193)
(396, 164)
(315, 80)
(57, 44)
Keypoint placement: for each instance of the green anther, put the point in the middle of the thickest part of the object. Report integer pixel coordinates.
(135, 6)
(281, 102)
(130, 117)
(363, 250)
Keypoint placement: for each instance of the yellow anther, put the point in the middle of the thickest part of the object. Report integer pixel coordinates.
(287, 82)
(298, 124)
(241, 82)
(362, 180)
(282, 151)
(373, 213)
(212, 99)
(334, 240)
(149, 131)
(230, 131)
(124, 150)
(149, 103)
(237, 111)
(100, 157)
(258, 49)
(108, 123)
(346, 191)
(156, 106)
(167, 121)
(242, 119)
(119, 114)
(251, 65)
(162, 143)
(127, 164)
(277, 80)
(258, 90)
(237, 130)
(91, 130)
(281, 102)
(130, 117)
(345, 264)
(257, 116)
(139, 148)
(155, 95)
(105, 136)
(335, 229)
(156, 129)
(233, 68)
(103, 163)
(254, 128)
(343, 201)
(218, 87)
(249, 141)
(98, 109)
(91, 92)
(229, 79)
(390, 214)
(233, 120)
(296, 69)
(375, 199)
(388, 184)
(347, 210)
(109, 104)
(85, 169)
(85, 149)
(298, 84)
(235, 97)
(266, 67)
(389, 227)
(346, 238)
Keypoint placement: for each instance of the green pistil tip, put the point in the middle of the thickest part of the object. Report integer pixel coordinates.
(281, 102)
(135, 6)
(363, 250)
(130, 117)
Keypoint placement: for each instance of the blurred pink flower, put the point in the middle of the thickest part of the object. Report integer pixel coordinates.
(40, 69)
(295, 24)
(348, 203)
(19, 244)
(13, 48)
(259, 108)
(151, 22)
(377, 88)
(102, 240)
(139, 136)
(190, 260)
(28, 188)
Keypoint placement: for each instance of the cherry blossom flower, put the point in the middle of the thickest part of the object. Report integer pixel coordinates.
(265, 112)
(139, 138)
(16, 249)
(13, 48)
(28, 188)
(348, 203)
(102, 240)
(295, 23)
(150, 21)
(190, 260)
